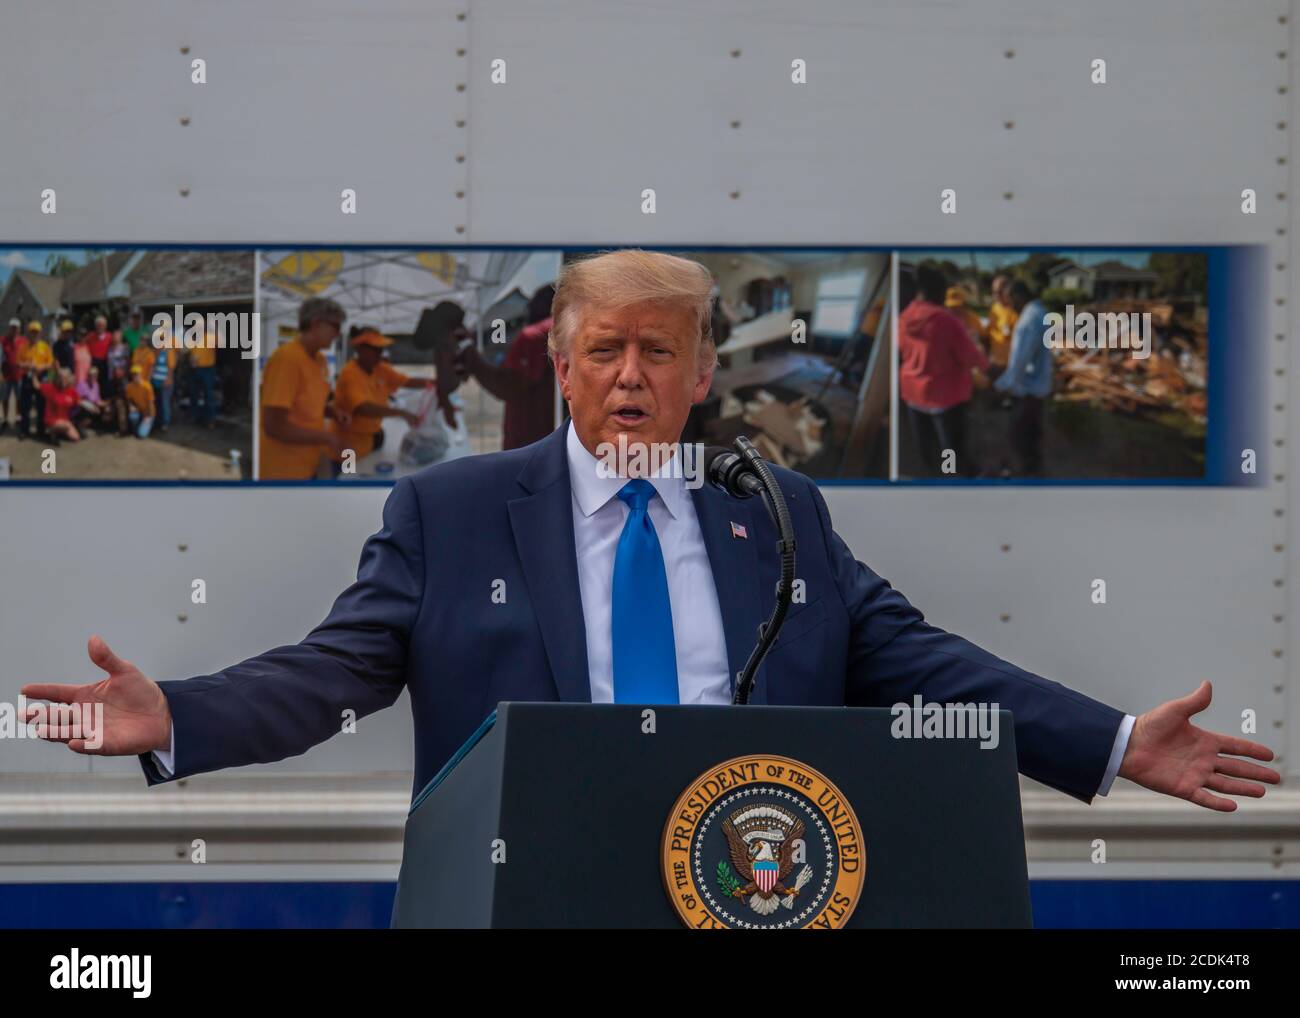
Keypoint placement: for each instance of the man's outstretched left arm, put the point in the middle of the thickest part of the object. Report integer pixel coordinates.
(1064, 739)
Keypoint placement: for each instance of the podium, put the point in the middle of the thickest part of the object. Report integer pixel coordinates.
(585, 815)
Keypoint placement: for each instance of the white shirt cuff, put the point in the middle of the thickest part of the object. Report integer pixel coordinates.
(1116, 754)
(166, 760)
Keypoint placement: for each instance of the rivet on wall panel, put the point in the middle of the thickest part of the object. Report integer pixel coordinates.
(1009, 124)
(182, 547)
(185, 192)
(735, 53)
(185, 121)
(460, 123)
(185, 51)
(1004, 617)
(1006, 547)
(181, 617)
(735, 194)
(1009, 54)
(1008, 195)
(735, 124)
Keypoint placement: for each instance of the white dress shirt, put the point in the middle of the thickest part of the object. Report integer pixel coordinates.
(700, 642)
(598, 518)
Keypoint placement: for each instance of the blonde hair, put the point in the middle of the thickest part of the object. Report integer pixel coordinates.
(614, 280)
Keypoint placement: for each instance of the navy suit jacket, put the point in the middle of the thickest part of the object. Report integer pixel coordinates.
(421, 616)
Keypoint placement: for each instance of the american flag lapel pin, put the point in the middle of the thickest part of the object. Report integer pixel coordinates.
(738, 531)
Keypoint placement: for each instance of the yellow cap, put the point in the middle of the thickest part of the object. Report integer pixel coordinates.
(371, 338)
(955, 297)
(66, 323)
(34, 327)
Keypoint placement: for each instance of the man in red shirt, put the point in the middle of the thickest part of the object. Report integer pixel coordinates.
(936, 355)
(524, 379)
(99, 341)
(13, 345)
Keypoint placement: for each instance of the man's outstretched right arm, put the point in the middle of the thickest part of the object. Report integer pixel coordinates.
(283, 702)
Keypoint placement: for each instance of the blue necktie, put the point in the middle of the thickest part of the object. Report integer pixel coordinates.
(645, 656)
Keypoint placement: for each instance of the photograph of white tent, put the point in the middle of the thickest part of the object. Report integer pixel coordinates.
(388, 290)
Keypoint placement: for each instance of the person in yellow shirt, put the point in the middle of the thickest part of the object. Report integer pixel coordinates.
(40, 355)
(955, 301)
(203, 381)
(36, 360)
(1002, 321)
(141, 406)
(142, 357)
(363, 389)
(292, 435)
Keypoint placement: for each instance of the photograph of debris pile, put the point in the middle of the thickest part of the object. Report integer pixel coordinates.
(1081, 365)
(803, 367)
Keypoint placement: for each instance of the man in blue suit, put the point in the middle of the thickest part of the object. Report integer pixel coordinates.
(536, 574)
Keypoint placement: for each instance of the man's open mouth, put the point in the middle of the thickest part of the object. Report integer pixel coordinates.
(630, 415)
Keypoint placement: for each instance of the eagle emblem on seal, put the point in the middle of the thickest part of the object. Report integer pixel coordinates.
(762, 842)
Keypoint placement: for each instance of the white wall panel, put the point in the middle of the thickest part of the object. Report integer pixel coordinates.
(602, 100)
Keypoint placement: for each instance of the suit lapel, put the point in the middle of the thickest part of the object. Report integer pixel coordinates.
(734, 561)
(542, 522)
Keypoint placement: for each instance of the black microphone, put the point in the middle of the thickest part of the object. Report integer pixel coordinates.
(727, 470)
(742, 474)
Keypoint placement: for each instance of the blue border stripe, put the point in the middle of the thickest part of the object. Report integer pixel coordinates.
(1057, 904)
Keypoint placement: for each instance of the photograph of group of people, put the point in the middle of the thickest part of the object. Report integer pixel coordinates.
(83, 371)
(372, 363)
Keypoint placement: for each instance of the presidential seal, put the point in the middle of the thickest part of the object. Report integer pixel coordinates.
(763, 843)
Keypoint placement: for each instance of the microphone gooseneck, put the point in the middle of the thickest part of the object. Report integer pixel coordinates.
(743, 475)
